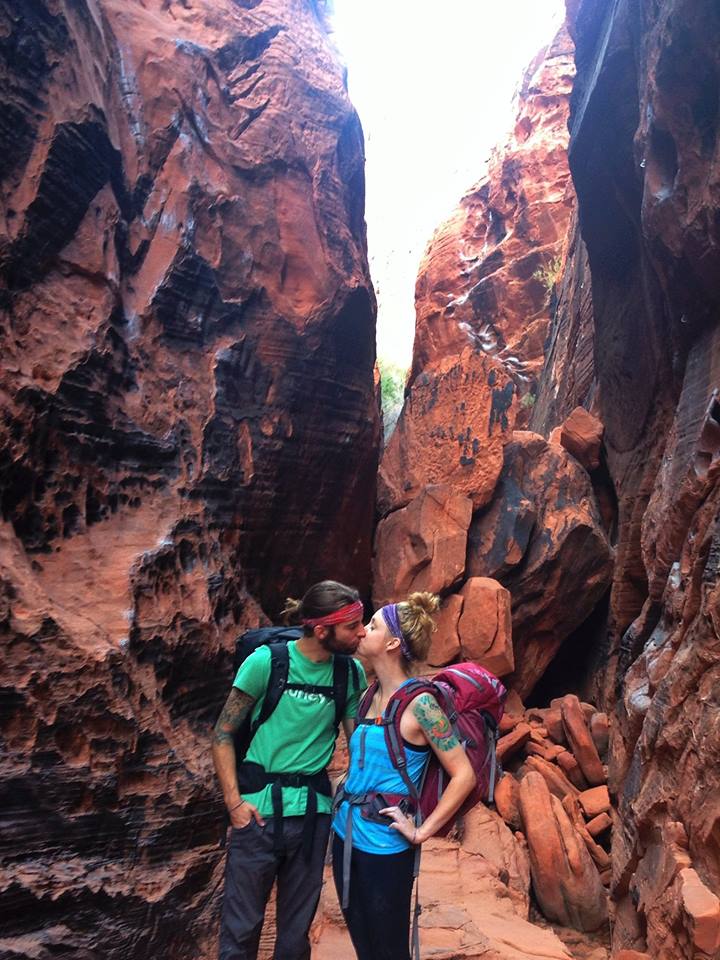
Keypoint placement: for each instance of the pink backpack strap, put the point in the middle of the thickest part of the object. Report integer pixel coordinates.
(366, 700)
(396, 707)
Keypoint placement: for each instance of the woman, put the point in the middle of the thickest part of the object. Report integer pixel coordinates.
(383, 837)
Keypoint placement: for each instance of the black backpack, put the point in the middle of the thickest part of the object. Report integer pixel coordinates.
(276, 638)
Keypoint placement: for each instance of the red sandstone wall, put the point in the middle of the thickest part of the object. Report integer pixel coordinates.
(189, 429)
(484, 277)
(632, 338)
(635, 338)
(485, 294)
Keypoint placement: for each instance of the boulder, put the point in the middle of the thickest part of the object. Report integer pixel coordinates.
(512, 742)
(581, 742)
(506, 801)
(570, 767)
(542, 538)
(555, 729)
(601, 857)
(452, 429)
(564, 878)
(422, 546)
(581, 435)
(588, 709)
(599, 825)
(594, 801)
(557, 782)
(484, 627)
(508, 722)
(445, 645)
(541, 748)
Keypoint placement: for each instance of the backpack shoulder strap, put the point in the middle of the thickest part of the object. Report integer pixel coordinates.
(341, 675)
(251, 640)
(344, 667)
(402, 698)
(397, 705)
(279, 670)
(366, 700)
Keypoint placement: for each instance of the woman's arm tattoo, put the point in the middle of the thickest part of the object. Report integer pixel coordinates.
(435, 724)
(237, 706)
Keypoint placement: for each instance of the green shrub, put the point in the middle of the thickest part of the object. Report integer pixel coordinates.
(549, 273)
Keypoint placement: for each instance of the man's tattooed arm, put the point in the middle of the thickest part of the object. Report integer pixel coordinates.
(435, 725)
(237, 706)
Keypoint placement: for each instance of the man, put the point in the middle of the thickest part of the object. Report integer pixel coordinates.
(283, 775)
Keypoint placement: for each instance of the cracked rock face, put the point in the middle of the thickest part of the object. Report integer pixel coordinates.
(487, 274)
(452, 430)
(635, 339)
(187, 334)
(541, 537)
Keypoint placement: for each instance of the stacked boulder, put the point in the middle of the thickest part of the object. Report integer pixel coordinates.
(512, 538)
(554, 793)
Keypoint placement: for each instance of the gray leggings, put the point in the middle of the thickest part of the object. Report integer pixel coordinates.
(252, 866)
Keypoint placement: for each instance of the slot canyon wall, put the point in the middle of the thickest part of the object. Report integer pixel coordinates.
(188, 409)
(643, 356)
(560, 441)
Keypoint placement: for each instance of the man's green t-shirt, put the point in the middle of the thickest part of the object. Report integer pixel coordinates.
(299, 736)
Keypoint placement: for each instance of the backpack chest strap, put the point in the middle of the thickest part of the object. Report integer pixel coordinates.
(252, 778)
(325, 691)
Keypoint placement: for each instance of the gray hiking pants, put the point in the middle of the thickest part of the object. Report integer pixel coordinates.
(251, 867)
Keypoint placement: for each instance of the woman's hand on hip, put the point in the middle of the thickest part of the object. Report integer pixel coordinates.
(402, 823)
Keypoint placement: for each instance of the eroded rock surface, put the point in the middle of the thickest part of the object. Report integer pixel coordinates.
(642, 283)
(189, 430)
(565, 879)
(488, 272)
(542, 538)
(422, 546)
(452, 429)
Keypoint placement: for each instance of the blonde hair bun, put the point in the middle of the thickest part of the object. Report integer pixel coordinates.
(416, 619)
(429, 602)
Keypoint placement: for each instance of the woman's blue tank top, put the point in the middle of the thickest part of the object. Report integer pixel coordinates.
(371, 770)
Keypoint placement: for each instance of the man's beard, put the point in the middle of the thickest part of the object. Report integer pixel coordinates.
(331, 644)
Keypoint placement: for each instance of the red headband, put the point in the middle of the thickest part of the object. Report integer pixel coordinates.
(353, 611)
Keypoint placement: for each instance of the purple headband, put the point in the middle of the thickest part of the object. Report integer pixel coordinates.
(390, 616)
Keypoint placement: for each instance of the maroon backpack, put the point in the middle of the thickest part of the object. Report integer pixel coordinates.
(473, 700)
